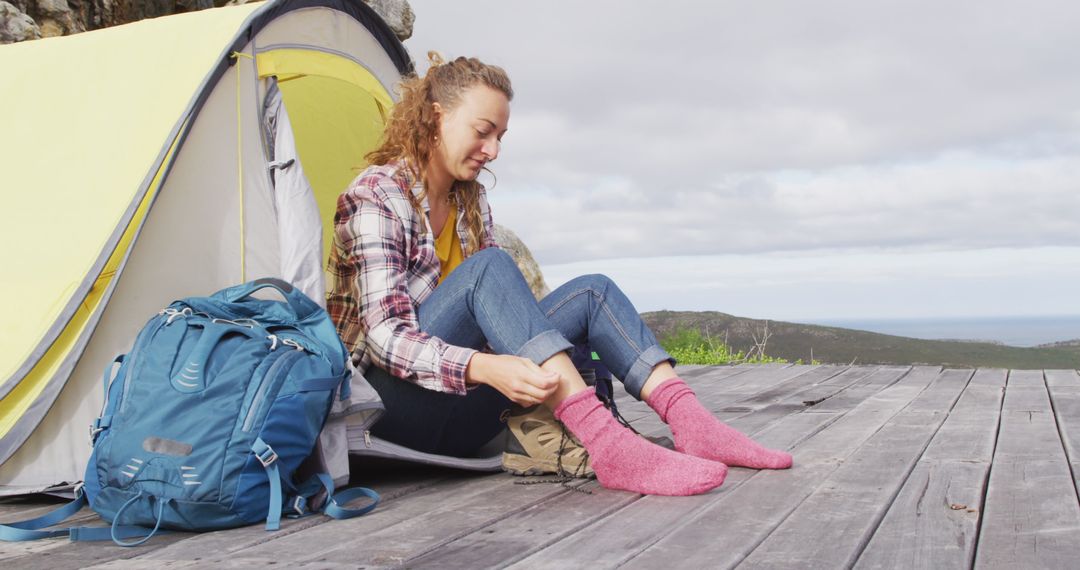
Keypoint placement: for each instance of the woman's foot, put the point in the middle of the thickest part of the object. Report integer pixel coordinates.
(697, 432)
(622, 460)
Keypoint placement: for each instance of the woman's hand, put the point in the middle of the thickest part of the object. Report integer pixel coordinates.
(517, 378)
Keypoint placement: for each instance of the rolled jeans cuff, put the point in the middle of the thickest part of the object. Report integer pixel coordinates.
(642, 367)
(543, 346)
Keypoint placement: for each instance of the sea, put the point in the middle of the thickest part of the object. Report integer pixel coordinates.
(1011, 331)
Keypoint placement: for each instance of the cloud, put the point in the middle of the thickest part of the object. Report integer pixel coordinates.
(732, 127)
(811, 287)
(955, 202)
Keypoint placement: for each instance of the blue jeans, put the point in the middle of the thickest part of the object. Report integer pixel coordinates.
(485, 301)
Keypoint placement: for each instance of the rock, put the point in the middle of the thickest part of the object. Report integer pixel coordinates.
(397, 14)
(15, 26)
(513, 245)
(32, 19)
(53, 17)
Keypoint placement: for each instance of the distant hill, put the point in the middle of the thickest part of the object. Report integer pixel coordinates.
(793, 341)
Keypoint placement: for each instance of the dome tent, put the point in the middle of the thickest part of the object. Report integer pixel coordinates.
(154, 161)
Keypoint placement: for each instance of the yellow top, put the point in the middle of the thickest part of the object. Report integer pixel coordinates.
(448, 246)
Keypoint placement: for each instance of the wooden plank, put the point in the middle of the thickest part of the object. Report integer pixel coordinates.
(1064, 387)
(1028, 430)
(13, 550)
(65, 554)
(709, 378)
(394, 507)
(73, 555)
(510, 539)
(1062, 378)
(408, 528)
(750, 379)
(690, 369)
(810, 376)
(642, 521)
(741, 414)
(933, 522)
(627, 531)
(833, 525)
(808, 398)
(713, 373)
(950, 385)
(843, 446)
(725, 531)
(711, 392)
(717, 373)
(970, 433)
(1031, 516)
(217, 564)
(828, 387)
(881, 378)
(750, 383)
(696, 375)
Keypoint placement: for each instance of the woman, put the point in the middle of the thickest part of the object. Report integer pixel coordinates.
(420, 288)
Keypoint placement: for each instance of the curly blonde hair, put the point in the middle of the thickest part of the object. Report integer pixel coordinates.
(413, 126)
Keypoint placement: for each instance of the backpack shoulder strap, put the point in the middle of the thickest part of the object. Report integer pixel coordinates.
(31, 529)
(334, 502)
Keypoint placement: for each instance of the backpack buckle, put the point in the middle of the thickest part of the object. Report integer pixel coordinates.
(292, 343)
(98, 426)
(299, 506)
(267, 456)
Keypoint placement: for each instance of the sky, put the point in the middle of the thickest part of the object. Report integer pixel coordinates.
(797, 161)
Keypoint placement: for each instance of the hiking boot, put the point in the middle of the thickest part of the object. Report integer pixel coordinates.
(534, 441)
(537, 444)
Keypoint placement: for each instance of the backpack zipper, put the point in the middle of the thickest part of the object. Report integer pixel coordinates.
(264, 387)
(142, 339)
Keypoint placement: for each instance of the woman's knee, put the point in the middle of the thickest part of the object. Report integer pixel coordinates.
(494, 257)
(598, 283)
(478, 265)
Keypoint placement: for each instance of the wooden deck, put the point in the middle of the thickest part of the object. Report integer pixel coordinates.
(895, 467)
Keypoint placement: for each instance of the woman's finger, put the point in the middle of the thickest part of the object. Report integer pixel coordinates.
(531, 365)
(532, 393)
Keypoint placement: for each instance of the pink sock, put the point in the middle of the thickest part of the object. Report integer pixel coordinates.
(624, 460)
(700, 434)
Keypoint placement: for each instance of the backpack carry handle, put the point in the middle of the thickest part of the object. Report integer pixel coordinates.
(117, 531)
(300, 303)
(318, 322)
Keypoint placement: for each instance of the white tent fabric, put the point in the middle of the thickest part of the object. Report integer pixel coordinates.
(299, 223)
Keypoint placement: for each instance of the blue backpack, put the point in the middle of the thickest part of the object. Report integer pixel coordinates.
(210, 416)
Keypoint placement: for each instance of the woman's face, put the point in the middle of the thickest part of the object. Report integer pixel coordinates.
(470, 133)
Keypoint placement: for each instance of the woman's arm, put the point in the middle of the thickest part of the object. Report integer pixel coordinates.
(374, 238)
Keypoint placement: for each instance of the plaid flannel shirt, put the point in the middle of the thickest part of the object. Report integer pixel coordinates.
(384, 266)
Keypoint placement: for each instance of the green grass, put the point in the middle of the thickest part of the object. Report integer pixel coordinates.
(791, 341)
(689, 346)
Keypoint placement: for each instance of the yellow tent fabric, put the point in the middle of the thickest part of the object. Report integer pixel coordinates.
(338, 110)
(15, 403)
(139, 148)
(58, 247)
